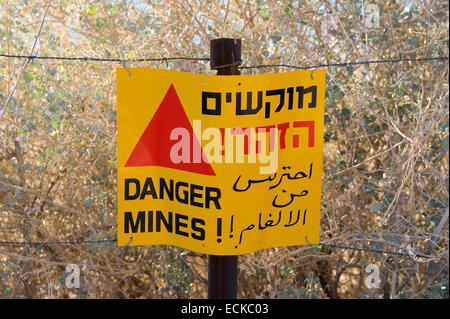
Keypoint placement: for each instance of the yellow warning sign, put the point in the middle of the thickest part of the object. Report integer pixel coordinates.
(221, 165)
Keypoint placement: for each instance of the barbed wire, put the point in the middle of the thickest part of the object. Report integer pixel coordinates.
(167, 59)
(342, 64)
(162, 59)
(68, 242)
(378, 251)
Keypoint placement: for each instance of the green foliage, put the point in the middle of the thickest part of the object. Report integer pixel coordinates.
(375, 207)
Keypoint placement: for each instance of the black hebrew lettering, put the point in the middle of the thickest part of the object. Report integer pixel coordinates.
(217, 106)
(279, 92)
(302, 92)
(249, 109)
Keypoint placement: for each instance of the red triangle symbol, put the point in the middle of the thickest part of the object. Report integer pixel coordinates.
(153, 148)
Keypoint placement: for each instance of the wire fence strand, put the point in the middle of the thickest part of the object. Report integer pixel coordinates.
(64, 242)
(162, 59)
(331, 246)
(378, 251)
(342, 64)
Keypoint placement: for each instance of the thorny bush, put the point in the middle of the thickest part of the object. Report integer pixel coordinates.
(385, 178)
